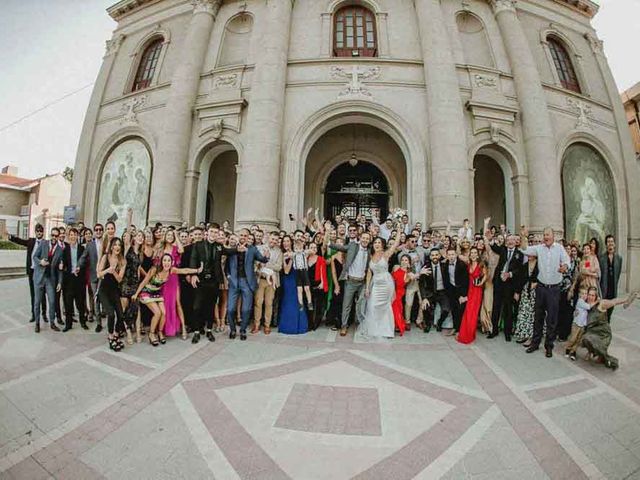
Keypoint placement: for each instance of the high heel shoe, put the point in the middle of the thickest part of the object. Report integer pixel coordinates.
(162, 338)
(129, 338)
(185, 336)
(153, 340)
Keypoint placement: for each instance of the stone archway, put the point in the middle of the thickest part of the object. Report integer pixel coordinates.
(416, 185)
(216, 192)
(356, 144)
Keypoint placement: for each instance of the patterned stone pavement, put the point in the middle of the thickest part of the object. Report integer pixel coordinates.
(317, 406)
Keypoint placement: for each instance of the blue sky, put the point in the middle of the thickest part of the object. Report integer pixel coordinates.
(55, 47)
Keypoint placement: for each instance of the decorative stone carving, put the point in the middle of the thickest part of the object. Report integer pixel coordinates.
(584, 113)
(494, 131)
(215, 128)
(485, 81)
(501, 5)
(206, 6)
(129, 109)
(112, 46)
(595, 43)
(230, 80)
(355, 87)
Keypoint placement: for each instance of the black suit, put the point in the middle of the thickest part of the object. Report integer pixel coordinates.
(187, 293)
(30, 244)
(504, 290)
(428, 285)
(454, 292)
(73, 286)
(206, 295)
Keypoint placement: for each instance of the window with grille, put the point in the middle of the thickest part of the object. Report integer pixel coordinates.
(147, 65)
(354, 32)
(564, 67)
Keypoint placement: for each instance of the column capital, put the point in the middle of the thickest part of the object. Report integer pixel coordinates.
(210, 7)
(594, 42)
(112, 46)
(503, 5)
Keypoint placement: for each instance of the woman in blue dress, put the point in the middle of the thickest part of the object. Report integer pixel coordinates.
(293, 321)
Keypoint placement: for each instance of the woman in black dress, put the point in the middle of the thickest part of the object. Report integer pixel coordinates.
(337, 264)
(130, 283)
(111, 270)
(148, 252)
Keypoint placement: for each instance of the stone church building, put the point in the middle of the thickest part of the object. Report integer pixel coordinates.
(254, 110)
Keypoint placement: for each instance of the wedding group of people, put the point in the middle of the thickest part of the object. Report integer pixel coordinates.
(386, 277)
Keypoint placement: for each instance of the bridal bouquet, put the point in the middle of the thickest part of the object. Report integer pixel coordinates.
(396, 214)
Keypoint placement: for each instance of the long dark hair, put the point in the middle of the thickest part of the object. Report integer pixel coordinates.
(384, 244)
(290, 242)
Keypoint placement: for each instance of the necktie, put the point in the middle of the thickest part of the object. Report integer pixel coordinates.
(509, 256)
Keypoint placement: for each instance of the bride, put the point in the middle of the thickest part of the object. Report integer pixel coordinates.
(379, 290)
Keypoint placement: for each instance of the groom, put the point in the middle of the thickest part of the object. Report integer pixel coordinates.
(353, 273)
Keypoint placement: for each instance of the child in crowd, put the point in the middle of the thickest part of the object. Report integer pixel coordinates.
(301, 268)
(583, 305)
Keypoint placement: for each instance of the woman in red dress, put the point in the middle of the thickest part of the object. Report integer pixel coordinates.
(401, 277)
(469, 324)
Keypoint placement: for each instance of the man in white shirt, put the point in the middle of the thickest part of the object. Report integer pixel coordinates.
(386, 228)
(553, 261)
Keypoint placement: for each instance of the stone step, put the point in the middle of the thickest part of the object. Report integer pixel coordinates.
(7, 273)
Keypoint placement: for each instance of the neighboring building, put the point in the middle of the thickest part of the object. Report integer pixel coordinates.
(254, 110)
(631, 101)
(25, 202)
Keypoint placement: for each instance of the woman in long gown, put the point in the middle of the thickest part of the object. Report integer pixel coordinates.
(469, 324)
(293, 321)
(379, 290)
(401, 276)
(526, 307)
(597, 334)
(174, 316)
(337, 264)
(491, 260)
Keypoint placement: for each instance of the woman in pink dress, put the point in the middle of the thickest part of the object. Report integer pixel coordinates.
(469, 324)
(174, 317)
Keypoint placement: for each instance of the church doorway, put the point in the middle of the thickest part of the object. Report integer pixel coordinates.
(353, 169)
(357, 189)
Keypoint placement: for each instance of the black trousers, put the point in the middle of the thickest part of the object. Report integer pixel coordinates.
(502, 299)
(565, 316)
(74, 290)
(547, 306)
(335, 311)
(58, 302)
(457, 310)
(318, 298)
(112, 308)
(441, 299)
(206, 297)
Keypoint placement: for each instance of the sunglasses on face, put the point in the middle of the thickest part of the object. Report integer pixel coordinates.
(98, 230)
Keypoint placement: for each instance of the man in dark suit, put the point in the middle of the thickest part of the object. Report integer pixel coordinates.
(505, 282)
(207, 253)
(433, 290)
(90, 259)
(186, 290)
(47, 277)
(456, 280)
(242, 281)
(611, 267)
(73, 281)
(32, 245)
(353, 273)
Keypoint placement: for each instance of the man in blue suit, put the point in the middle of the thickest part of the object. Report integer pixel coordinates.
(47, 277)
(242, 282)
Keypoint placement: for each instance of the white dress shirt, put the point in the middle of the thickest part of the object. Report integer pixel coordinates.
(549, 260)
(358, 268)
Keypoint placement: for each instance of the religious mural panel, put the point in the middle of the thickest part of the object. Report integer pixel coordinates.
(589, 196)
(125, 185)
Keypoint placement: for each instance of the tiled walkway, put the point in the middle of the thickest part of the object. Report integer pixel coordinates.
(317, 406)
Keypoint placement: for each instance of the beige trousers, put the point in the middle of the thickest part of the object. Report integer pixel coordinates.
(264, 294)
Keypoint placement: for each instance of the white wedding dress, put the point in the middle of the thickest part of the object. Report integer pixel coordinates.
(378, 320)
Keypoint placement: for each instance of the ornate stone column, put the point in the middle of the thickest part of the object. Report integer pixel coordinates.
(80, 187)
(173, 146)
(545, 188)
(259, 168)
(447, 135)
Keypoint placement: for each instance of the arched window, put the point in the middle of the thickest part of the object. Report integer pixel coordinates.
(564, 67)
(354, 32)
(147, 65)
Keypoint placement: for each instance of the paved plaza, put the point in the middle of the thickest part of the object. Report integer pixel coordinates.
(318, 406)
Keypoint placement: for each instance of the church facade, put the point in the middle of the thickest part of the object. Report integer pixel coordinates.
(253, 111)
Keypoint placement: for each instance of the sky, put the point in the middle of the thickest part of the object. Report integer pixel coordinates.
(52, 48)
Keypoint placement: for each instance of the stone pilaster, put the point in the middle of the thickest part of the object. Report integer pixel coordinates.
(259, 169)
(545, 188)
(450, 183)
(80, 187)
(173, 146)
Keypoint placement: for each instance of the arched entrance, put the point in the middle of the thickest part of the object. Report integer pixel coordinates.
(355, 168)
(217, 184)
(356, 189)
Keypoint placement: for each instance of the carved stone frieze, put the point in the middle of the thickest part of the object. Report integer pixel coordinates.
(112, 46)
(355, 87)
(584, 112)
(129, 109)
(222, 81)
